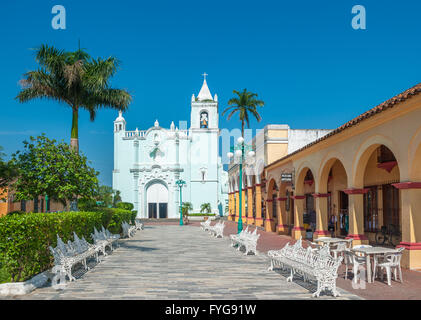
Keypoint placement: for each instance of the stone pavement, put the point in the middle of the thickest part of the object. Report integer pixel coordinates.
(173, 262)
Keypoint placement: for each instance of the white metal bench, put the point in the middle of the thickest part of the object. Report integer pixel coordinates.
(217, 230)
(139, 225)
(128, 230)
(205, 225)
(316, 265)
(101, 241)
(246, 239)
(66, 256)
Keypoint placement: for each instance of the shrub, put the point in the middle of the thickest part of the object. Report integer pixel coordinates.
(134, 215)
(16, 212)
(87, 204)
(125, 206)
(24, 239)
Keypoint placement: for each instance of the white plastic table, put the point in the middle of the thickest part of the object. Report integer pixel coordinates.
(331, 241)
(372, 251)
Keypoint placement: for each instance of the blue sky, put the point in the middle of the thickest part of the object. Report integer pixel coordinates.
(303, 58)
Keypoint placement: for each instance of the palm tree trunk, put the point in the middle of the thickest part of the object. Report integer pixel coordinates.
(242, 128)
(74, 138)
(74, 145)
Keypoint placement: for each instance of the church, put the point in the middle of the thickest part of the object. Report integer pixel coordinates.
(147, 163)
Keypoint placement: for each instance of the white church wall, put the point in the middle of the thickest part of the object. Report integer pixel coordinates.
(197, 151)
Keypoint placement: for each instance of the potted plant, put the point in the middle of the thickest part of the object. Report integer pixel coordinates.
(205, 208)
(187, 206)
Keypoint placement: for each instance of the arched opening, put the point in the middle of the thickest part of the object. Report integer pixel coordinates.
(157, 201)
(289, 207)
(271, 195)
(309, 215)
(333, 183)
(204, 120)
(379, 170)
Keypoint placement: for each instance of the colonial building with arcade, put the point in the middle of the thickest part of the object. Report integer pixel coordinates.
(360, 179)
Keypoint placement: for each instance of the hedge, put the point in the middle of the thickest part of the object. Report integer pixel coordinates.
(24, 239)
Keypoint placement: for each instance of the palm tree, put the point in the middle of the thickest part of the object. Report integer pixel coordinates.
(205, 207)
(76, 79)
(246, 102)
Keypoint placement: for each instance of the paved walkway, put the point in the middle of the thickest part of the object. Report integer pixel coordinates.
(173, 262)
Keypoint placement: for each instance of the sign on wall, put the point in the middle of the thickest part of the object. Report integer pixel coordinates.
(286, 177)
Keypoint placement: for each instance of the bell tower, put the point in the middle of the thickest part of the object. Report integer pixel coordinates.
(204, 148)
(204, 109)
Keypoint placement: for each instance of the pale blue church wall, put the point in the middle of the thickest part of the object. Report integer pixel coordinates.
(136, 167)
(124, 179)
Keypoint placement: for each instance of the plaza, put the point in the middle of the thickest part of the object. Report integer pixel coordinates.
(167, 261)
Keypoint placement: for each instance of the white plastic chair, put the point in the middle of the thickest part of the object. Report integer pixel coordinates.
(349, 243)
(360, 254)
(351, 258)
(339, 250)
(390, 261)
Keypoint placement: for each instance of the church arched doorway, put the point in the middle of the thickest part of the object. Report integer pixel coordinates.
(157, 201)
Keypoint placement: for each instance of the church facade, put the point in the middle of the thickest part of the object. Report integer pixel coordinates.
(148, 163)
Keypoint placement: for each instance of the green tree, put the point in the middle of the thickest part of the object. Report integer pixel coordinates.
(105, 196)
(245, 103)
(75, 79)
(205, 208)
(51, 168)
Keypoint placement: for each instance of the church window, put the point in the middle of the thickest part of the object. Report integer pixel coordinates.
(203, 174)
(120, 126)
(204, 120)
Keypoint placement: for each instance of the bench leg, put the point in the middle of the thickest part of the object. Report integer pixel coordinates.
(85, 265)
(290, 278)
(271, 265)
(69, 273)
(319, 290)
(60, 276)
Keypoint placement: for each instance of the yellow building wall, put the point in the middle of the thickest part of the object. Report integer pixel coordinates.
(277, 133)
(399, 129)
(276, 151)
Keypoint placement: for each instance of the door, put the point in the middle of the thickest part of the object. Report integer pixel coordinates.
(152, 210)
(343, 214)
(163, 210)
(157, 199)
